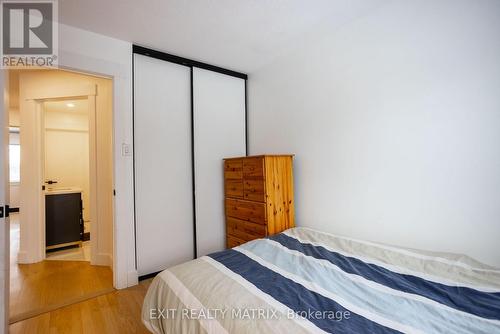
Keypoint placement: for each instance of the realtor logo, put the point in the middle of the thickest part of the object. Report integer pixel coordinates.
(29, 33)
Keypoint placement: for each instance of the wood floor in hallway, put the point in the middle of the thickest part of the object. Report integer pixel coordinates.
(37, 288)
(116, 312)
(44, 286)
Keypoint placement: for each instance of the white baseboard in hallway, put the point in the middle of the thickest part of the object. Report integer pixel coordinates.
(72, 254)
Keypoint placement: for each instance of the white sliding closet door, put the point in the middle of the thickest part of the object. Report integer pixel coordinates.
(163, 164)
(219, 132)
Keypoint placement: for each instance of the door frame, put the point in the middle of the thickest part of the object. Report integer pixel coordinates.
(120, 72)
(92, 133)
(34, 246)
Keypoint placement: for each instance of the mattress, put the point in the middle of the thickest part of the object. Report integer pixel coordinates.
(306, 281)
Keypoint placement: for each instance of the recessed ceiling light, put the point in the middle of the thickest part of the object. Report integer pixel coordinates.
(70, 105)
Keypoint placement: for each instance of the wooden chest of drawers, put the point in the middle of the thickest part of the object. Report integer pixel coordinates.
(258, 197)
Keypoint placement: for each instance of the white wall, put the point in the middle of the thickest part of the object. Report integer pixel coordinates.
(14, 186)
(14, 200)
(14, 195)
(14, 117)
(70, 121)
(395, 122)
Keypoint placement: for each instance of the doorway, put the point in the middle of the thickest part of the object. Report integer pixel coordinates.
(67, 179)
(62, 236)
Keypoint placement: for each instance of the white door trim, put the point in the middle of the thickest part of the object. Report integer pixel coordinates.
(33, 239)
(94, 217)
(93, 194)
(120, 71)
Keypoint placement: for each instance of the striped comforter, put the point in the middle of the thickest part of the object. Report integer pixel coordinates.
(305, 281)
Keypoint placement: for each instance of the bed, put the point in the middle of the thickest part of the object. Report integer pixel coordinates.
(306, 281)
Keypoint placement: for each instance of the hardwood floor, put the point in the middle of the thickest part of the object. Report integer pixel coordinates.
(47, 285)
(40, 287)
(116, 312)
(70, 297)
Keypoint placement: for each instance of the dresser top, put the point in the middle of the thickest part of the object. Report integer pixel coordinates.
(261, 156)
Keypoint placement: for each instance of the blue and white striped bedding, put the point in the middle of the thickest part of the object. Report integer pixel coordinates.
(305, 281)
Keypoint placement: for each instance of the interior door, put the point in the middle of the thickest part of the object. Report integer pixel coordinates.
(219, 132)
(162, 158)
(4, 200)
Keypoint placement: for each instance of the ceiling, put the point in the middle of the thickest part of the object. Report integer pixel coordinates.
(76, 106)
(242, 35)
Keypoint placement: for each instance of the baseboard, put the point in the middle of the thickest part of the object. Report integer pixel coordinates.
(23, 258)
(103, 259)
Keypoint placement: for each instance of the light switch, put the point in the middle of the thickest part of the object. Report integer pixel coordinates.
(126, 151)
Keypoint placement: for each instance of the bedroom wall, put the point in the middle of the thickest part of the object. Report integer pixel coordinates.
(395, 122)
